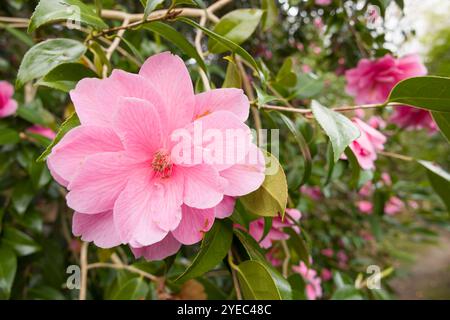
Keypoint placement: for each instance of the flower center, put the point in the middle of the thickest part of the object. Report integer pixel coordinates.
(161, 164)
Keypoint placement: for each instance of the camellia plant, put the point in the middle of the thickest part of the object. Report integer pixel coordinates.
(222, 149)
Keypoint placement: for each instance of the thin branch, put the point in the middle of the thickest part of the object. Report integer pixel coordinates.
(234, 276)
(198, 47)
(123, 267)
(395, 155)
(287, 258)
(84, 270)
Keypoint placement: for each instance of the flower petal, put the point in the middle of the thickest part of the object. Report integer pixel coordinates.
(158, 251)
(225, 208)
(98, 228)
(193, 225)
(227, 99)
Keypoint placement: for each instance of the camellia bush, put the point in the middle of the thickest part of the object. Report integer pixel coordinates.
(188, 149)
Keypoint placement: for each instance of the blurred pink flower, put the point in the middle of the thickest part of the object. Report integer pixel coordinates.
(323, 2)
(393, 206)
(45, 132)
(365, 206)
(125, 178)
(318, 23)
(313, 192)
(327, 252)
(386, 178)
(366, 146)
(306, 68)
(366, 189)
(372, 80)
(271, 256)
(413, 118)
(313, 282)
(7, 104)
(256, 228)
(326, 274)
(377, 122)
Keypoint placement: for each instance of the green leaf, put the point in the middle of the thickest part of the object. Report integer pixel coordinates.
(338, 128)
(270, 14)
(150, 6)
(237, 26)
(439, 180)
(172, 35)
(133, 289)
(431, 93)
(271, 198)
(255, 253)
(20, 242)
(66, 76)
(8, 268)
(22, 36)
(213, 249)
(71, 122)
(303, 146)
(8, 136)
(347, 293)
(232, 76)
(22, 196)
(354, 165)
(442, 120)
(285, 76)
(230, 45)
(299, 245)
(48, 11)
(308, 86)
(43, 292)
(44, 56)
(35, 113)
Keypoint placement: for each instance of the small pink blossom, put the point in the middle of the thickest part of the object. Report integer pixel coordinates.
(306, 68)
(45, 132)
(313, 192)
(327, 252)
(393, 206)
(313, 282)
(413, 118)
(130, 181)
(323, 2)
(326, 274)
(372, 80)
(365, 206)
(276, 232)
(8, 105)
(366, 146)
(366, 189)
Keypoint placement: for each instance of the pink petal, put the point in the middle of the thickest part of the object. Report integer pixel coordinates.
(137, 123)
(193, 225)
(225, 208)
(203, 187)
(227, 99)
(96, 100)
(69, 154)
(98, 228)
(99, 182)
(158, 251)
(148, 208)
(9, 109)
(169, 76)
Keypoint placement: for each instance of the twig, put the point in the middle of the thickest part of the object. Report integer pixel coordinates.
(84, 270)
(396, 155)
(234, 276)
(123, 267)
(198, 47)
(287, 258)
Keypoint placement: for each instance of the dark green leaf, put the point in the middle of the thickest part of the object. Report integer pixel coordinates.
(270, 14)
(44, 56)
(214, 248)
(8, 267)
(20, 242)
(22, 196)
(150, 6)
(66, 76)
(35, 113)
(232, 76)
(439, 179)
(442, 120)
(8, 136)
(133, 289)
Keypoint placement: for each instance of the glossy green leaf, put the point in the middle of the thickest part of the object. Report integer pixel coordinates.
(270, 15)
(285, 76)
(22, 196)
(232, 76)
(442, 120)
(271, 198)
(20, 242)
(66, 76)
(299, 245)
(133, 289)
(8, 136)
(338, 128)
(230, 45)
(354, 165)
(8, 268)
(307, 87)
(172, 35)
(431, 93)
(439, 180)
(150, 6)
(35, 113)
(74, 11)
(213, 249)
(237, 26)
(71, 122)
(45, 56)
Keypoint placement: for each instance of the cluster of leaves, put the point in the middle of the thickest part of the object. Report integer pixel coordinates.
(274, 41)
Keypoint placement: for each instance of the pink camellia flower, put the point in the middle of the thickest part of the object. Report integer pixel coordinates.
(323, 2)
(393, 206)
(313, 192)
(256, 228)
(45, 132)
(313, 282)
(146, 167)
(372, 80)
(366, 146)
(327, 252)
(7, 104)
(365, 206)
(326, 274)
(413, 118)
